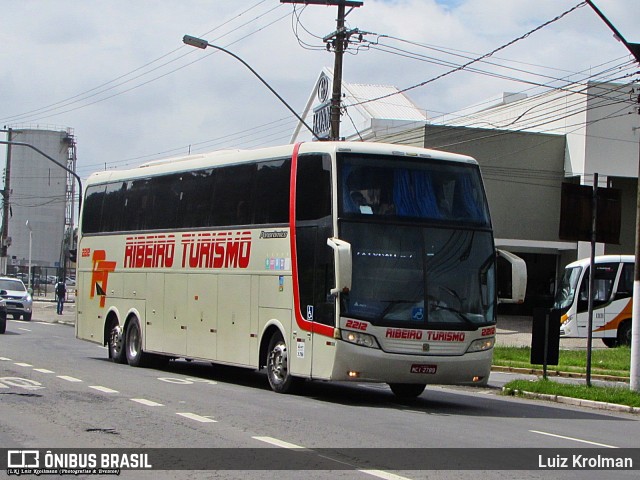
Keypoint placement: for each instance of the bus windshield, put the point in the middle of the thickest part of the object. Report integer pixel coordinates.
(567, 288)
(423, 254)
(412, 189)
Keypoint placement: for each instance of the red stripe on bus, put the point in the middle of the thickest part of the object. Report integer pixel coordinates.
(302, 322)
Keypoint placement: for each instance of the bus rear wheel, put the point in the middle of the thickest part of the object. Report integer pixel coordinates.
(407, 391)
(278, 374)
(133, 344)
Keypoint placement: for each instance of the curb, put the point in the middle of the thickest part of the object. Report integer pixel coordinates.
(573, 401)
(557, 373)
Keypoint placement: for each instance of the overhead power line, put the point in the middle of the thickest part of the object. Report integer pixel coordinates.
(475, 60)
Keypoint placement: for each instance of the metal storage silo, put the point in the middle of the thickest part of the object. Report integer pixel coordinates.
(42, 193)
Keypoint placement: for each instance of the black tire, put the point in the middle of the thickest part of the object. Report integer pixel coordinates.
(116, 344)
(278, 374)
(610, 342)
(407, 391)
(3, 323)
(27, 317)
(624, 333)
(133, 344)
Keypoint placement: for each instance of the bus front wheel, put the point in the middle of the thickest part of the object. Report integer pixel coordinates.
(278, 374)
(133, 344)
(407, 391)
(624, 333)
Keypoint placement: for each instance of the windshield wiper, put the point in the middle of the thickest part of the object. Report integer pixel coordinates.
(454, 310)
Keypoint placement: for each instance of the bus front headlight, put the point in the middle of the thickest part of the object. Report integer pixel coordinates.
(359, 338)
(481, 344)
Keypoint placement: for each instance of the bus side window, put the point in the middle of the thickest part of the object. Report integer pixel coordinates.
(602, 286)
(625, 284)
(233, 195)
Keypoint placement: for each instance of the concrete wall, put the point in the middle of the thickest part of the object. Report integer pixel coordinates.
(523, 174)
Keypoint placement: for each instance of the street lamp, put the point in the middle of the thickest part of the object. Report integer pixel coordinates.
(30, 242)
(200, 43)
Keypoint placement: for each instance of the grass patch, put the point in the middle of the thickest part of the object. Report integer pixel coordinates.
(617, 395)
(610, 361)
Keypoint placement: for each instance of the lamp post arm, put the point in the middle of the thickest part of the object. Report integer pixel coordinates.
(200, 43)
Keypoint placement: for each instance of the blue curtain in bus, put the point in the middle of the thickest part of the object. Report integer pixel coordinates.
(348, 204)
(468, 205)
(414, 195)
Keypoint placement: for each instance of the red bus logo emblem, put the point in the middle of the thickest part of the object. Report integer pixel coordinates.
(100, 275)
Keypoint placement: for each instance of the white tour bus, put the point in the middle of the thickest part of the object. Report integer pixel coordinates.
(323, 260)
(613, 289)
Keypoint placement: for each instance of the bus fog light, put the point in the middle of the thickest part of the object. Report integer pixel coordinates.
(481, 345)
(353, 374)
(359, 338)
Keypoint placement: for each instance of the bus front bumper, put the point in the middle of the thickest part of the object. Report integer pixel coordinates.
(357, 363)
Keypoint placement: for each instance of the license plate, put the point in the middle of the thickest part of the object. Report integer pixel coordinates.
(420, 368)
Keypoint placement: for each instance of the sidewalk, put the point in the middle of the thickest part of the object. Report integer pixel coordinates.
(44, 310)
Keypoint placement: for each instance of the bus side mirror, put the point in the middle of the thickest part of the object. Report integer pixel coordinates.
(342, 259)
(511, 277)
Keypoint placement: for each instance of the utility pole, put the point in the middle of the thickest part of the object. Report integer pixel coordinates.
(634, 377)
(338, 40)
(4, 240)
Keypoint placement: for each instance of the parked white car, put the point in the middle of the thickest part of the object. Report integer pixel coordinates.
(17, 298)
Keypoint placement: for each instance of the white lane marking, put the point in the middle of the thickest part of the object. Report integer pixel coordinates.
(197, 418)
(292, 446)
(45, 323)
(24, 329)
(279, 443)
(103, 389)
(43, 370)
(573, 439)
(146, 402)
(383, 474)
(69, 379)
(5, 359)
(21, 364)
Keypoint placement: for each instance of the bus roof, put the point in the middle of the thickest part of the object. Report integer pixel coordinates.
(230, 157)
(584, 262)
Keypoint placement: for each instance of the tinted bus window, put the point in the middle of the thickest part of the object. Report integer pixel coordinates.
(272, 192)
(92, 209)
(313, 191)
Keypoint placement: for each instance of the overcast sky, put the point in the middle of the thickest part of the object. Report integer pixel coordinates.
(118, 74)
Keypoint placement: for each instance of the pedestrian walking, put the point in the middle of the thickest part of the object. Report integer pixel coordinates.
(61, 295)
